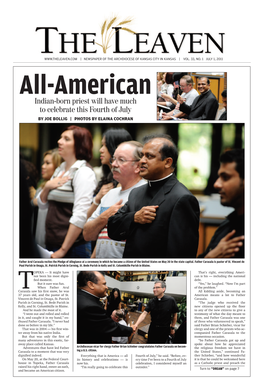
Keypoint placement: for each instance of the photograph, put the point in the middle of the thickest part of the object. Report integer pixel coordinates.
(131, 307)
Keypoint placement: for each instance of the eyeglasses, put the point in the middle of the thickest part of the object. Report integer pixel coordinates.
(119, 161)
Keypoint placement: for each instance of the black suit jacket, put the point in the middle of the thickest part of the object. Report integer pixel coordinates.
(173, 233)
(93, 324)
(204, 107)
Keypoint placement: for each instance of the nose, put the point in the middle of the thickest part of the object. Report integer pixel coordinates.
(217, 184)
(114, 163)
(143, 159)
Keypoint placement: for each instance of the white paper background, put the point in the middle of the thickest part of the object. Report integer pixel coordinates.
(243, 26)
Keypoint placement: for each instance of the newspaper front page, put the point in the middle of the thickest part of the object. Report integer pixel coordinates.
(107, 70)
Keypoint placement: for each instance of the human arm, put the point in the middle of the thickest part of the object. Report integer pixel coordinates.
(173, 323)
(93, 255)
(97, 199)
(93, 226)
(71, 236)
(227, 247)
(141, 318)
(52, 184)
(169, 98)
(84, 183)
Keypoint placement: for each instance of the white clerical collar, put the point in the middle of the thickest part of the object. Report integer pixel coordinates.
(154, 181)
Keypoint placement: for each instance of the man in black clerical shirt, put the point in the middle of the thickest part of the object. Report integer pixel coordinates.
(228, 240)
(204, 106)
(161, 219)
(163, 310)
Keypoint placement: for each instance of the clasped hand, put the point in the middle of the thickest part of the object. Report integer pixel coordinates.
(146, 215)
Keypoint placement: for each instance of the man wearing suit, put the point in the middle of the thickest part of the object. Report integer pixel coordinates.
(204, 106)
(93, 324)
(160, 219)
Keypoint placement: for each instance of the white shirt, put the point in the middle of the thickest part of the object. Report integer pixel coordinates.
(84, 184)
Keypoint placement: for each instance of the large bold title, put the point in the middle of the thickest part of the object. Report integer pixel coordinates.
(38, 85)
(85, 42)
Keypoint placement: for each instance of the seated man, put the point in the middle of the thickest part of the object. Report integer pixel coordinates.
(189, 94)
(228, 240)
(204, 106)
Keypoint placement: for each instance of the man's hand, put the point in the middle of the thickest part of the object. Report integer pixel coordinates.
(146, 215)
(227, 247)
(180, 99)
(113, 209)
(134, 329)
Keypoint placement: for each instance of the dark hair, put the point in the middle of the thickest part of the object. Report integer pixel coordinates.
(32, 173)
(87, 276)
(168, 149)
(204, 77)
(176, 76)
(224, 93)
(162, 283)
(112, 298)
(169, 78)
(237, 156)
(120, 314)
(83, 143)
(113, 137)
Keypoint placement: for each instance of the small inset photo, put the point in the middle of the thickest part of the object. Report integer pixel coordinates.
(131, 307)
(192, 96)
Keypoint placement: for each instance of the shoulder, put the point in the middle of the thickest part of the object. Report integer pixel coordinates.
(181, 190)
(193, 92)
(84, 171)
(136, 190)
(111, 196)
(211, 95)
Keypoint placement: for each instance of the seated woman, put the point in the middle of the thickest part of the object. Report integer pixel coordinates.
(68, 195)
(168, 89)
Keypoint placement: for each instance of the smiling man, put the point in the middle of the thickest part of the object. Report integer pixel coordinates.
(228, 240)
(160, 219)
(204, 106)
(163, 310)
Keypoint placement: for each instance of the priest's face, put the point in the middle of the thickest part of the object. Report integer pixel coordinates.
(152, 167)
(100, 288)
